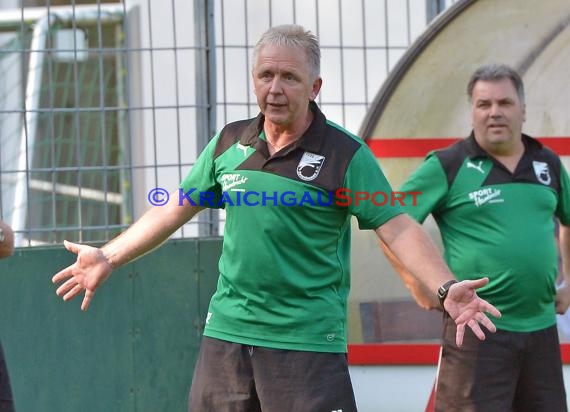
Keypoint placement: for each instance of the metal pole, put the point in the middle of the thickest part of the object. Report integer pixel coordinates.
(205, 96)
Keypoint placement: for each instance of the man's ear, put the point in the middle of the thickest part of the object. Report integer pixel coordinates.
(317, 84)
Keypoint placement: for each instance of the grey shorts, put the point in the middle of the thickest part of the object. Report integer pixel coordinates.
(508, 371)
(241, 378)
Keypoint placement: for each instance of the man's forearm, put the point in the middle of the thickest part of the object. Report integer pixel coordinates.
(153, 228)
(411, 245)
(421, 294)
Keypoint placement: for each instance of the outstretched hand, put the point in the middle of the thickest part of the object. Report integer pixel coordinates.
(468, 309)
(89, 271)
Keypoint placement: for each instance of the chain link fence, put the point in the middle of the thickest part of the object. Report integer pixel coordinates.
(102, 103)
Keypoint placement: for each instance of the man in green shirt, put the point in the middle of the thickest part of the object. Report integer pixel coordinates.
(495, 196)
(290, 180)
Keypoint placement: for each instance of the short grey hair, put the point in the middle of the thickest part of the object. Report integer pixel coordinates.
(494, 72)
(292, 35)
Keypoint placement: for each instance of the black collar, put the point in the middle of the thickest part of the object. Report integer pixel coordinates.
(474, 150)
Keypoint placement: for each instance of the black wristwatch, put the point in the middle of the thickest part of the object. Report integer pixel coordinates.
(444, 290)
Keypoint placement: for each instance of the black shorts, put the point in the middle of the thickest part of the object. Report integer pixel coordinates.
(6, 401)
(242, 378)
(508, 371)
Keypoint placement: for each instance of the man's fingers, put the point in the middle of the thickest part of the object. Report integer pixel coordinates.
(68, 271)
(474, 325)
(485, 321)
(74, 276)
(62, 274)
(477, 283)
(87, 299)
(492, 310)
(72, 247)
(73, 292)
(66, 287)
(460, 332)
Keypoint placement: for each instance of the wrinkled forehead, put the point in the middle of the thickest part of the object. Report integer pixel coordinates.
(281, 58)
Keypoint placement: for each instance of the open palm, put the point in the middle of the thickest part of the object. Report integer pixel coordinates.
(88, 272)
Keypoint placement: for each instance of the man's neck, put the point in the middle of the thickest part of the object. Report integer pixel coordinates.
(508, 155)
(279, 136)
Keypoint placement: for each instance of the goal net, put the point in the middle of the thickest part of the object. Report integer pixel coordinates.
(64, 151)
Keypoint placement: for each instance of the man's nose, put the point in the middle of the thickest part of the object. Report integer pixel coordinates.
(276, 86)
(495, 110)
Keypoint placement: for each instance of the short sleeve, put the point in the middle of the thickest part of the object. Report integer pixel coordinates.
(367, 191)
(200, 184)
(429, 183)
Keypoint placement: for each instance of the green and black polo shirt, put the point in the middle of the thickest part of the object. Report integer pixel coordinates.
(285, 267)
(498, 224)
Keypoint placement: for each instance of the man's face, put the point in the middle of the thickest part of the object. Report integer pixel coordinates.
(497, 114)
(283, 85)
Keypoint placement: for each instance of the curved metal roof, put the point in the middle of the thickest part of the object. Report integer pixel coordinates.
(425, 94)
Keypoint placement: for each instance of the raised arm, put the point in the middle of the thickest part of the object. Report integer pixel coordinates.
(94, 265)
(415, 250)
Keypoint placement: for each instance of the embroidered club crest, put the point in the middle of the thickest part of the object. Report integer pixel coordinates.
(309, 166)
(542, 172)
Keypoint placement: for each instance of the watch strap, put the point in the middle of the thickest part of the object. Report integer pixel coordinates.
(444, 290)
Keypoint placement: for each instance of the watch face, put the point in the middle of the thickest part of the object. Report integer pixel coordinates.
(441, 295)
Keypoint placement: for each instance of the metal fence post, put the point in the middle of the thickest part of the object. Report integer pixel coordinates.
(205, 95)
